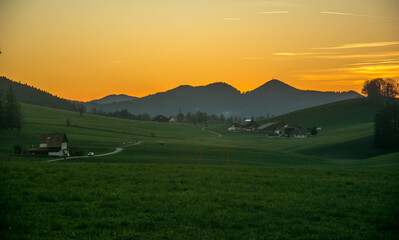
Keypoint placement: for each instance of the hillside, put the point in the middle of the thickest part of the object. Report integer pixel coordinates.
(31, 95)
(348, 126)
(321, 182)
(333, 115)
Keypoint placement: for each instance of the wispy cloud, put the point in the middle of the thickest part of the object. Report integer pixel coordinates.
(360, 72)
(300, 54)
(331, 55)
(362, 45)
(374, 55)
(379, 61)
(252, 58)
(117, 61)
(274, 4)
(386, 70)
(275, 12)
(231, 19)
(356, 15)
(346, 14)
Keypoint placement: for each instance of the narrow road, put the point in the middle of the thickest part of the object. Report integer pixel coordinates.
(117, 150)
(216, 133)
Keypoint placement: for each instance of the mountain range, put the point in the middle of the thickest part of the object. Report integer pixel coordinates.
(272, 98)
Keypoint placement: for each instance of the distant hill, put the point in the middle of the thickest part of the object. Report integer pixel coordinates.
(29, 94)
(337, 114)
(272, 98)
(347, 124)
(114, 98)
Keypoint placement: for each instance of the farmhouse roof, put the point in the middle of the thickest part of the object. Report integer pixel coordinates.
(267, 125)
(247, 122)
(291, 126)
(53, 139)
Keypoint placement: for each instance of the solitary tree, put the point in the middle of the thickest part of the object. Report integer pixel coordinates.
(2, 112)
(68, 122)
(380, 88)
(81, 109)
(386, 126)
(313, 131)
(13, 112)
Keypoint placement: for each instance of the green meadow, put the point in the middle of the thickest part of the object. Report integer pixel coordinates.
(331, 186)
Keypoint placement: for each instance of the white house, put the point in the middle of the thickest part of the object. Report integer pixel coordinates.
(51, 144)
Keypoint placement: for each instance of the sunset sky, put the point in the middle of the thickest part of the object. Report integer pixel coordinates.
(87, 49)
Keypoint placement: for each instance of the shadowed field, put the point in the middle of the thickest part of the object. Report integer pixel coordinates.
(332, 186)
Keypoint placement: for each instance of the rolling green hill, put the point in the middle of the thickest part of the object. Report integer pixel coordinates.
(332, 186)
(347, 131)
(335, 115)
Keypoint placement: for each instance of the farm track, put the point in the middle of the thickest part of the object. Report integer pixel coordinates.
(219, 135)
(117, 150)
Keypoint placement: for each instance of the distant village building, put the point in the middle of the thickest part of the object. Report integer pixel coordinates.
(292, 130)
(276, 128)
(300, 133)
(160, 118)
(271, 127)
(51, 144)
(173, 119)
(247, 125)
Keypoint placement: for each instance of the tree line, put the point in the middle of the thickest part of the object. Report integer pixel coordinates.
(195, 118)
(386, 121)
(10, 111)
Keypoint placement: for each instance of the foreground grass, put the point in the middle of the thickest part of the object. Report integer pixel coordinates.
(148, 201)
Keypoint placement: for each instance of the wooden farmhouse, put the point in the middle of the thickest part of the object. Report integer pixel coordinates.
(247, 125)
(271, 128)
(51, 144)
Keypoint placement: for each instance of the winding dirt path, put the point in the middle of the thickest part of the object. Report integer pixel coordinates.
(216, 133)
(117, 150)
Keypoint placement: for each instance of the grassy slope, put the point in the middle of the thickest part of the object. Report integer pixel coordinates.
(334, 115)
(152, 201)
(92, 133)
(347, 132)
(91, 198)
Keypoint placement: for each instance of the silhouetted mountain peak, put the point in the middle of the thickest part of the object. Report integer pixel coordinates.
(276, 83)
(272, 98)
(274, 86)
(114, 98)
(221, 86)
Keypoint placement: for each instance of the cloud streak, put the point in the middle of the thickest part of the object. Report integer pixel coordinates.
(301, 54)
(275, 12)
(361, 45)
(345, 14)
(346, 56)
(231, 19)
(251, 58)
(374, 62)
(274, 4)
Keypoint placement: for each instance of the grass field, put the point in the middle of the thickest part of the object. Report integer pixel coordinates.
(332, 186)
